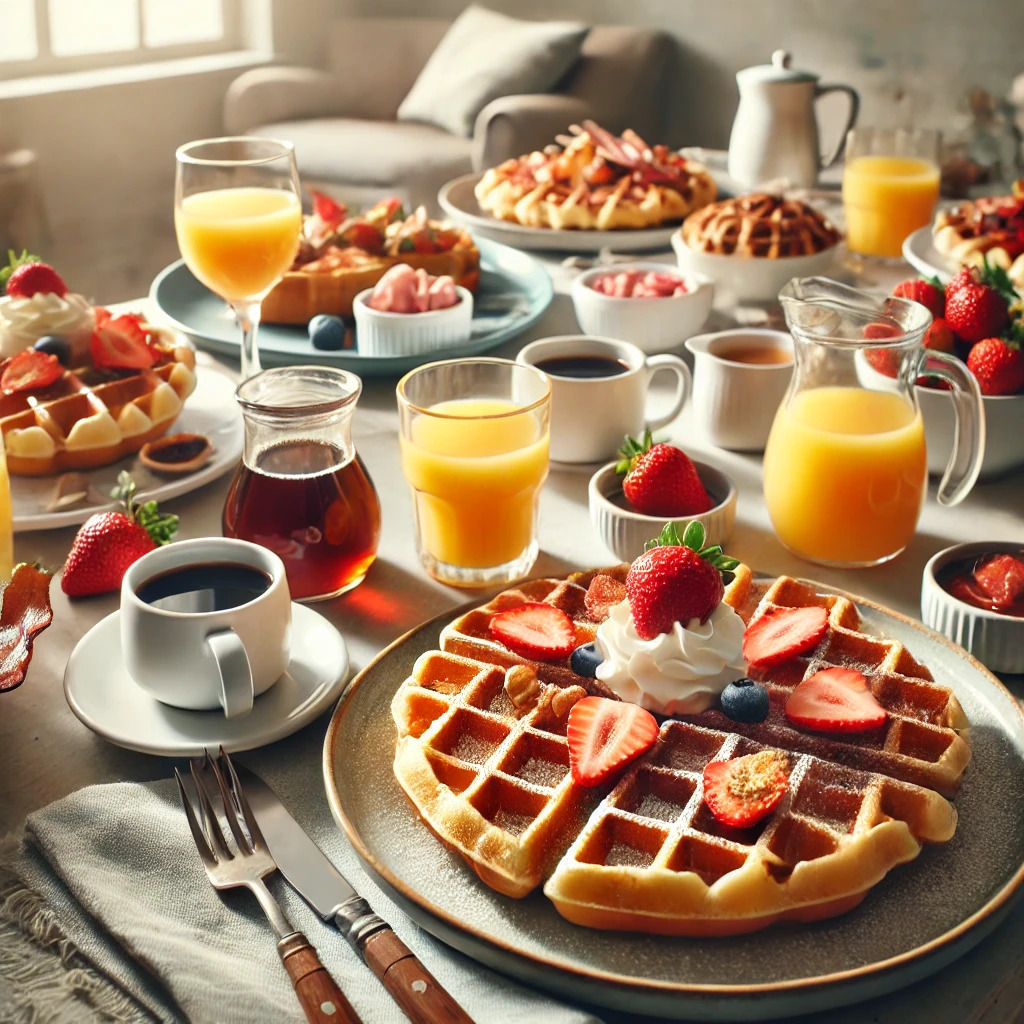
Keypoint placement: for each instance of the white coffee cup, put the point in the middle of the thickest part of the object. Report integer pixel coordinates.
(590, 416)
(207, 659)
(734, 403)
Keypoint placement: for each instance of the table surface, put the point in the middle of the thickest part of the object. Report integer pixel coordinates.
(45, 752)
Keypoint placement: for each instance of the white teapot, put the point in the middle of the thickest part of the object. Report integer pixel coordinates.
(775, 134)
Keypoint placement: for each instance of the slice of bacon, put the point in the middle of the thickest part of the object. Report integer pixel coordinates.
(25, 613)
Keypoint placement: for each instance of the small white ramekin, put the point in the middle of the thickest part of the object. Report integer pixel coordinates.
(410, 334)
(625, 532)
(653, 325)
(997, 641)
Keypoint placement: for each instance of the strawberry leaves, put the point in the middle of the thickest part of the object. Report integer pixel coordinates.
(13, 262)
(693, 536)
(161, 526)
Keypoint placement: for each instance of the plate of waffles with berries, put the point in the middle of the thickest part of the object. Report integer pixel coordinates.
(678, 788)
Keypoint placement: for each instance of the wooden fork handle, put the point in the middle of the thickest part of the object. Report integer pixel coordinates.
(414, 988)
(321, 999)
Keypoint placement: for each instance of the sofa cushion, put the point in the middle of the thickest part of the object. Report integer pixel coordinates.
(485, 55)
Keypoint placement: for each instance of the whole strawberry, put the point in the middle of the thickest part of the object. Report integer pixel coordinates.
(939, 337)
(661, 480)
(977, 304)
(676, 580)
(109, 542)
(999, 366)
(29, 278)
(929, 293)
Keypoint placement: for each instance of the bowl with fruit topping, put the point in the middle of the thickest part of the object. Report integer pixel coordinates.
(974, 594)
(654, 484)
(649, 304)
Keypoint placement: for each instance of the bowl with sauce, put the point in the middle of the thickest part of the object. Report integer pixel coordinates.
(974, 594)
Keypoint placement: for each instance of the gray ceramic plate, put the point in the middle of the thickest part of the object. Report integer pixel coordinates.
(916, 921)
(514, 292)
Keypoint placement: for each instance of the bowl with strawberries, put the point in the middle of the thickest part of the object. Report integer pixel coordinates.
(978, 317)
(652, 484)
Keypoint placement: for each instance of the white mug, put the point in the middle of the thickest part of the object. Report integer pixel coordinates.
(734, 403)
(202, 660)
(590, 416)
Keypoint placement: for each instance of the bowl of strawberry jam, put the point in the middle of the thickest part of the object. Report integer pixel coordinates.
(974, 594)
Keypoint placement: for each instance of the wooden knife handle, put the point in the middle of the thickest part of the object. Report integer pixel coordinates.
(414, 988)
(321, 999)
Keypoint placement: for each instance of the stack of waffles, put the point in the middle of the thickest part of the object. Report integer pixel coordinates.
(485, 761)
(759, 225)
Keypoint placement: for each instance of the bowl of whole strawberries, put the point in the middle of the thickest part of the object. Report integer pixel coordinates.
(653, 484)
(978, 317)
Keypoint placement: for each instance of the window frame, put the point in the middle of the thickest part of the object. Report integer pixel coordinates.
(46, 63)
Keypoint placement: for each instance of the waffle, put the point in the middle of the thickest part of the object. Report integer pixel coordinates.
(990, 227)
(597, 181)
(87, 419)
(759, 225)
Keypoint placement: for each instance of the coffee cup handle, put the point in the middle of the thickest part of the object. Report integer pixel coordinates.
(683, 384)
(236, 686)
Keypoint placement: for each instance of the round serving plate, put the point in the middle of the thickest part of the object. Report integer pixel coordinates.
(917, 920)
(920, 252)
(210, 410)
(459, 202)
(514, 292)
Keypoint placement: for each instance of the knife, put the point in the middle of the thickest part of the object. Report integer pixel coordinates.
(324, 888)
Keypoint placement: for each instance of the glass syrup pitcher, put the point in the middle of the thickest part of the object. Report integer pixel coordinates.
(845, 468)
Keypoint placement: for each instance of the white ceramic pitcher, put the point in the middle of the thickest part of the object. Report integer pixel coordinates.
(775, 134)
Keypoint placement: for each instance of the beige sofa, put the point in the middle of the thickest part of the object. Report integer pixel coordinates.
(343, 119)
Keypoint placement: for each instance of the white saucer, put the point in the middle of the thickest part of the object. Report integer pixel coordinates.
(104, 697)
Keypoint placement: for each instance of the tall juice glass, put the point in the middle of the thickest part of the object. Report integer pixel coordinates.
(890, 188)
(845, 468)
(474, 444)
(238, 218)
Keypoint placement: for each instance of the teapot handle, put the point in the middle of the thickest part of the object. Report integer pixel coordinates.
(851, 120)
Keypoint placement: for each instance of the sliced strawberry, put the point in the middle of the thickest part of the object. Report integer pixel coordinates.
(120, 344)
(386, 211)
(330, 212)
(535, 630)
(746, 789)
(782, 634)
(29, 371)
(364, 236)
(835, 700)
(102, 314)
(603, 594)
(605, 735)
(1001, 579)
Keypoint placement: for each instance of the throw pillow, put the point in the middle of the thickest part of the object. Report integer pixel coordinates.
(485, 55)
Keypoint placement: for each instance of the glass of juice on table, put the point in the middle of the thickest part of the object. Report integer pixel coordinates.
(474, 441)
(845, 468)
(301, 489)
(890, 188)
(238, 217)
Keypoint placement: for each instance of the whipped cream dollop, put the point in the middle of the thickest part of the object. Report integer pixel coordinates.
(681, 672)
(24, 321)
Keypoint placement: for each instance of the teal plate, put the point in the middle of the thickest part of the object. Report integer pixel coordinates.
(515, 290)
(917, 920)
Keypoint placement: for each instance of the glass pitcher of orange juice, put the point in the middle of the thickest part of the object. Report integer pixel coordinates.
(845, 468)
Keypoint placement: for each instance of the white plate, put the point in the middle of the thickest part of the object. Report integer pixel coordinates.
(103, 696)
(920, 252)
(210, 410)
(458, 201)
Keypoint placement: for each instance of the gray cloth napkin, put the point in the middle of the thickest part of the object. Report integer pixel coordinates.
(118, 867)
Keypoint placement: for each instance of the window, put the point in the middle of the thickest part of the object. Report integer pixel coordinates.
(46, 36)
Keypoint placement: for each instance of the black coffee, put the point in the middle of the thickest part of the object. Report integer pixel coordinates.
(209, 587)
(583, 366)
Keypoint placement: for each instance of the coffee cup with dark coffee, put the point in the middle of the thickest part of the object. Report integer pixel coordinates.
(206, 623)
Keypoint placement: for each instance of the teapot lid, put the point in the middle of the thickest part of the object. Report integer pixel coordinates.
(778, 71)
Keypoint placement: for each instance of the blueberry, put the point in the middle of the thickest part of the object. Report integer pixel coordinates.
(584, 661)
(327, 332)
(745, 701)
(54, 346)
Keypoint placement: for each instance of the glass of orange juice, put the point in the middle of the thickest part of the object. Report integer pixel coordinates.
(890, 187)
(474, 445)
(238, 217)
(845, 468)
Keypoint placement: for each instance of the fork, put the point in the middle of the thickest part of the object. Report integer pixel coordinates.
(246, 864)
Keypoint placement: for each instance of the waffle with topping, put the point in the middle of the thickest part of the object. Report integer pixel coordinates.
(594, 180)
(759, 225)
(483, 757)
(991, 227)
